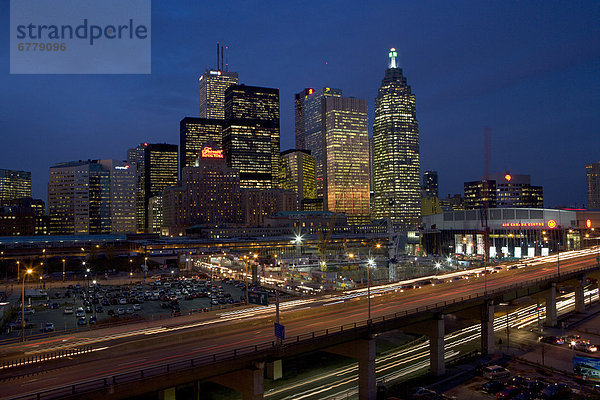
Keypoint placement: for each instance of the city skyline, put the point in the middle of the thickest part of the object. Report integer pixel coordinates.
(529, 80)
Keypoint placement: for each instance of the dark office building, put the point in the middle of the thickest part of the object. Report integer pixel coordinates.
(479, 194)
(430, 184)
(299, 112)
(251, 134)
(23, 217)
(160, 171)
(194, 133)
(514, 190)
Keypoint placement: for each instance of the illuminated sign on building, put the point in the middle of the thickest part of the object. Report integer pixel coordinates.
(507, 177)
(552, 224)
(209, 152)
(588, 223)
(125, 167)
(523, 224)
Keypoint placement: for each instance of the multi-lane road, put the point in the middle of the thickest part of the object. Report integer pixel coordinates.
(130, 348)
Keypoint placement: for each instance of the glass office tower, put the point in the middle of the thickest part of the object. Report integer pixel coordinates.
(14, 184)
(212, 92)
(396, 164)
(251, 134)
(346, 158)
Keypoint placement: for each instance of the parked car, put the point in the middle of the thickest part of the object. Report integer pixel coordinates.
(92, 320)
(99, 309)
(68, 310)
(492, 387)
(121, 311)
(49, 327)
(495, 372)
(81, 321)
(556, 391)
(508, 392)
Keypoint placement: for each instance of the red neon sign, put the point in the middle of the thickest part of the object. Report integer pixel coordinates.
(208, 152)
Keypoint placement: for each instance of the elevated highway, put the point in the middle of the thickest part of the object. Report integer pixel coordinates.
(232, 348)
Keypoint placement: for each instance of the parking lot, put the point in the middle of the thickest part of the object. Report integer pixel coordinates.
(77, 306)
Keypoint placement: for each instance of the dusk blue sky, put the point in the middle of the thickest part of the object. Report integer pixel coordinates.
(530, 70)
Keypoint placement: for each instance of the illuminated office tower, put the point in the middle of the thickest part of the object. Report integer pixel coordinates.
(14, 184)
(135, 157)
(514, 190)
(251, 134)
(299, 99)
(122, 195)
(313, 128)
(160, 171)
(212, 92)
(593, 185)
(297, 174)
(346, 158)
(396, 175)
(91, 197)
(194, 133)
(480, 194)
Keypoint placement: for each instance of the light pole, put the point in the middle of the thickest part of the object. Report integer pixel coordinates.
(370, 264)
(246, 277)
(28, 272)
(63, 275)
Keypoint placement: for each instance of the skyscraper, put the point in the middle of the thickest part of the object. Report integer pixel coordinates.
(135, 157)
(160, 171)
(194, 133)
(396, 163)
(313, 128)
(122, 195)
(297, 174)
(346, 158)
(212, 92)
(91, 197)
(251, 134)
(430, 184)
(593, 185)
(299, 117)
(14, 184)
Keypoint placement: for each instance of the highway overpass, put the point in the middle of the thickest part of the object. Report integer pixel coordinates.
(234, 348)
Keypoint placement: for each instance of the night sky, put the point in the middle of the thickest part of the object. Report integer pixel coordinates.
(528, 70)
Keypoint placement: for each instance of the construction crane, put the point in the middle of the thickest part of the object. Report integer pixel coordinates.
(323, 236)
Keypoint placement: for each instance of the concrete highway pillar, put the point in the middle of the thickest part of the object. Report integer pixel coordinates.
(551, 316)
(580, 295)
(367, 381)
(273, 369)
(437, 364)
(167, 394)
(487, 328)
(362, 350)
(249, 382)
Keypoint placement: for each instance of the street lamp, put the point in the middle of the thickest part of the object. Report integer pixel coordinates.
(63, 276)
(370, 264)
(28, 272)
(246, 277)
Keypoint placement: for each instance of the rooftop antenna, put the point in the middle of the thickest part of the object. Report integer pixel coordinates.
(227, 59)
(392, 55)
(222, 57)
(217, 56)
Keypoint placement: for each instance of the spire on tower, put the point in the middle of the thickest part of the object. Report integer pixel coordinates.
(392, 55)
